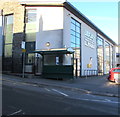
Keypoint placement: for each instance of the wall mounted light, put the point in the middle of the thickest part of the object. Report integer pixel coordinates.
(47, 44)
(68, 14)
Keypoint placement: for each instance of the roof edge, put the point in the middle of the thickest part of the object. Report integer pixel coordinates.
(77, 13)
(69, 7)
(41, 2)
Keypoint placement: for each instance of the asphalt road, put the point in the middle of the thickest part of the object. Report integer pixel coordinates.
(27, 99)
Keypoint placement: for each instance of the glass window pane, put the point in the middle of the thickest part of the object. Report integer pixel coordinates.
(30, 32)
(8, 29)
(78, 35)
(72, 26)
(30, 58)
(72, 21)
(30, 25)
(78, 24)
(72, 38)
(111, 54)
(107, 52)
(30, 46)
(8, 50)
(72, 45)
(116, 70)
(100, 42)
(100, 45)
(77, 41)
(73, 32)
(49, 60)
(9, 19)
(77, 46)
(78, 29)
(30, 15)
(106, 44)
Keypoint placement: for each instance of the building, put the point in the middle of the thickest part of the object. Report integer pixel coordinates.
(53, 38)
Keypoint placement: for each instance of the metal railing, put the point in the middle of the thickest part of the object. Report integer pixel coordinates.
(90, 72)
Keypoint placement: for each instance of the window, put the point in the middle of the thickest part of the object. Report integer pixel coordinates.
(117, 55)
(8, 50)
(30, 46)
(30, 15)
(75, 33)
(100, 47)
(30, 32)
(30, 25)
(53, 59)
(30, 58)
(75, 44)
(8, 36)
(116, 70)
(107, 56)
(111, 57)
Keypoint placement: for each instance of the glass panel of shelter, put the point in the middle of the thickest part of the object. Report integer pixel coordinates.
(53, 59)
(38, 64)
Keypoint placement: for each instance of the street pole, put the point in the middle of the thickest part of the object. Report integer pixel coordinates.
(23, 74)
(23, 69)
(23, 52)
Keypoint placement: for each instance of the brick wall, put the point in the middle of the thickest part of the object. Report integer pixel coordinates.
(14, 7)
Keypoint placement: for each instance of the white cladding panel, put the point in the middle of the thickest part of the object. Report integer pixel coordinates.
(89, 47)
(66, 35)
(66, 29)
(49, 27)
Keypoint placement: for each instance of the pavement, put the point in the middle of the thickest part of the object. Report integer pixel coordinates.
(96, 85)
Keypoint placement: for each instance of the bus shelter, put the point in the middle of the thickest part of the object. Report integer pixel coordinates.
(54, 64)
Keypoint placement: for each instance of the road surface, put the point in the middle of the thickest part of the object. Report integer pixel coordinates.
(29, 99)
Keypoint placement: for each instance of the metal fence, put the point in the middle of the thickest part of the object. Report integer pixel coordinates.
(90, 72)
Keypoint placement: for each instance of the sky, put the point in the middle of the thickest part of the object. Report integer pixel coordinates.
(104, 14)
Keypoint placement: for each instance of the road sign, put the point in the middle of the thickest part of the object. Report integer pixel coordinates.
(89, 65)
(23, 45)
(23, 50)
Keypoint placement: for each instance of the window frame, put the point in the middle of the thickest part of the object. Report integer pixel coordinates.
(100, 43)
(5, 37)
